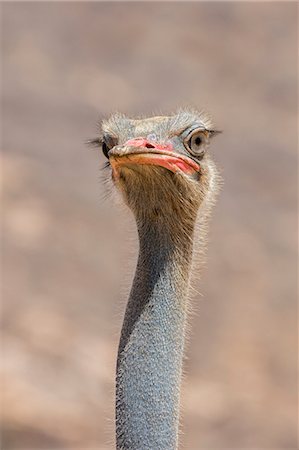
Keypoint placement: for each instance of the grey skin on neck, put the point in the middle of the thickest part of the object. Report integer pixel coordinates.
(149, 364)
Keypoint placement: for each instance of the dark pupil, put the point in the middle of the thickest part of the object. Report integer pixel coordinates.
(105, 149)
(198, 141)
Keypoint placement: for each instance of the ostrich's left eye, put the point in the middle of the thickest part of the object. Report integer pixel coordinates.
(195, 143)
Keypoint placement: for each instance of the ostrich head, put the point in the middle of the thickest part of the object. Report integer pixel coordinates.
(161, 164)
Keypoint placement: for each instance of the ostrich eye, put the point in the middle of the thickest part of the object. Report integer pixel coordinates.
(105, 149)
(195, 143)
(107, 144)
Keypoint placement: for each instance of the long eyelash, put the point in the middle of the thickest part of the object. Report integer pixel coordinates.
(214, 132)
(96, 142)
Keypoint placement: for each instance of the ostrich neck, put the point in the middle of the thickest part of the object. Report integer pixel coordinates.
(149, 364)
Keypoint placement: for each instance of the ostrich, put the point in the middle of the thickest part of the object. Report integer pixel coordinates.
(161, 167)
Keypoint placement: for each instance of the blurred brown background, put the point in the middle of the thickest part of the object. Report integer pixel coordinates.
(66, 251)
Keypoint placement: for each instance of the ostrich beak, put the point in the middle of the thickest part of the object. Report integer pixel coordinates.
(143, 152)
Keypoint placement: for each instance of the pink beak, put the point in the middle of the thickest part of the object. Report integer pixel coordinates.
(158, 155)
(142, 142)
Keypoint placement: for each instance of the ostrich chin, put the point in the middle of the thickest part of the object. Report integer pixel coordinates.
(163, 194)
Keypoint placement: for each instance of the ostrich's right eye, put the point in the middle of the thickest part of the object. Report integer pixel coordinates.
(108, 143)
(105, 149)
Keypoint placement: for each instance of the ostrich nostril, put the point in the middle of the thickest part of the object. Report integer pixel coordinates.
(148, 145)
